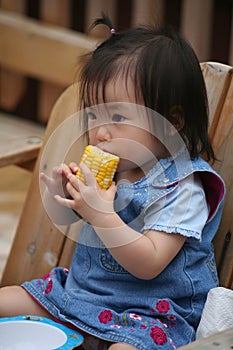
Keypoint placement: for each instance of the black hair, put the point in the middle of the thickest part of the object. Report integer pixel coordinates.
(166, 74)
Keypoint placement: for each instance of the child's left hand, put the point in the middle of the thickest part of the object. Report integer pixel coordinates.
(88, 200)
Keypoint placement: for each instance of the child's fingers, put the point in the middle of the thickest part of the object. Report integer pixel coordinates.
(89, 177)
(56, 172)
(112, 188)
(65, 169)
(60, 171)
(74, 167)
(72, 185)
(44, 178)
(63, 201)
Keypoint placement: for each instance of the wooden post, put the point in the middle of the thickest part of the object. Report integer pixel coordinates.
(147, 12)
(12, 84)
(196, 22)
(231, 42)
(52, 12)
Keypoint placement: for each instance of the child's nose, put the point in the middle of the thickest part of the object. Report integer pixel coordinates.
(103, 133)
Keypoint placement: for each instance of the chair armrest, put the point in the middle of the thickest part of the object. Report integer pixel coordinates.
(222, 341)
(20, 141)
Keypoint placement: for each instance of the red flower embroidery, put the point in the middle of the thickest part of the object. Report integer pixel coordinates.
(158, 335)
(143, 326)
(163, 306)
(105, 316)
(49, 287)
(135, 317)
(45, 277)
(171, 317)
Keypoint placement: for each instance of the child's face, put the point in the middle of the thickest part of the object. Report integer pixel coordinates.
(121, 126)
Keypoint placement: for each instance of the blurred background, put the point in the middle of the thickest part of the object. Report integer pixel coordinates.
(207, 24)
(40, 41)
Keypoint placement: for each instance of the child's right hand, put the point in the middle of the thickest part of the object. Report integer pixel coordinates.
(56, 184)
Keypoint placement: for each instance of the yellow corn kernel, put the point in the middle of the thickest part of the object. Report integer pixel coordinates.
(102, 164)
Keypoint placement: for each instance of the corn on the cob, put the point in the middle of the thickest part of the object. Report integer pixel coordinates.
(102, 164)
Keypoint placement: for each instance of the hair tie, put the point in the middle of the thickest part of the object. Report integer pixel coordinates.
(106, 21)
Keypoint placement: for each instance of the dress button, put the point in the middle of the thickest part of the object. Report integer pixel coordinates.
(166, 179)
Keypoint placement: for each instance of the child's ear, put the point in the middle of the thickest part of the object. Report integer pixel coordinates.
(176, 117)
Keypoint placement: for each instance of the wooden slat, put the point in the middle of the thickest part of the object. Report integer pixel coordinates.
(147, 12)
(45, 52)
(20, 141)
(55, 12)
(223, 146)
(217, 82)
(51, 12)
(67, 105)
(231, 43)
(47, 96)
(12, 84)
(199, 35)
(13, 5)
(218, 78)
(219, 341)
(225, 122)
(38, 243)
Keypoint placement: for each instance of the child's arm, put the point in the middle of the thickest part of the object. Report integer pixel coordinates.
(144, 256)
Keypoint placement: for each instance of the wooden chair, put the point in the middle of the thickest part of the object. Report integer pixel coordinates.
(39, 245)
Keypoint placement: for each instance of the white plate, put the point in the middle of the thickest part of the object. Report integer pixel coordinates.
(36, 333)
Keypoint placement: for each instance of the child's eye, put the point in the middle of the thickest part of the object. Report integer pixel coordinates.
(117, 118)
(91, 116)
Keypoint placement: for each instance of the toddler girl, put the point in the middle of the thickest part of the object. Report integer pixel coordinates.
(144, 262)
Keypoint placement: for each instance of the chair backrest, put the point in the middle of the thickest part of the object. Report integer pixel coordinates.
(218, 78)
(39, 245)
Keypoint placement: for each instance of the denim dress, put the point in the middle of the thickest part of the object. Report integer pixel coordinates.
(99, 297)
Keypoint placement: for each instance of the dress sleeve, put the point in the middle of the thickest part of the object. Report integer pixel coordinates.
(184, 210)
